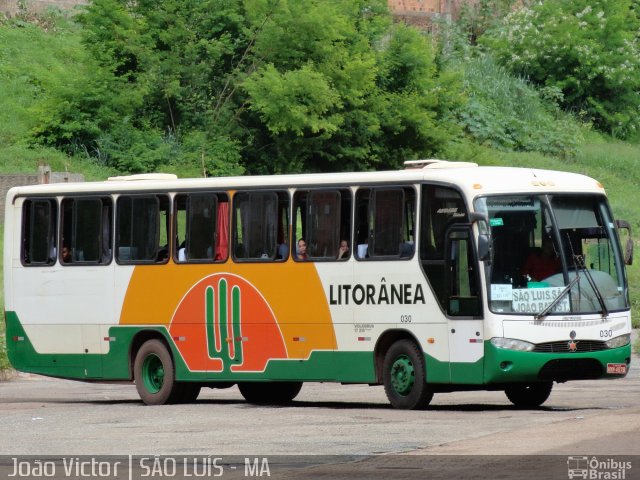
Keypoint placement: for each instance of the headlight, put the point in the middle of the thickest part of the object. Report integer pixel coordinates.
(512, 344)
(620, 341)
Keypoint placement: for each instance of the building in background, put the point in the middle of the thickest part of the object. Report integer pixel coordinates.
(44, 175)
(422, 13)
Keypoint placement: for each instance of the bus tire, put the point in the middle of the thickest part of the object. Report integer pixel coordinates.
(269, 393)
(404, 376)
(154, 374)
(529, 395)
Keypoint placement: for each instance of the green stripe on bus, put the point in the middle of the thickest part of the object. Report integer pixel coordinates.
(499, 365)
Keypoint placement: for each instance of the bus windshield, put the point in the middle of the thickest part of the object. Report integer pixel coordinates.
(550, 246)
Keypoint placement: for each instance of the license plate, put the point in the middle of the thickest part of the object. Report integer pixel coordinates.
(616, 368)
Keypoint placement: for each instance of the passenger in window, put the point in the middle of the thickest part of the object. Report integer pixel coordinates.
(66, 254)
(542, 263)
(301, 251)
(283, 251)
(163, 253)
(343, 251)
(182, 251)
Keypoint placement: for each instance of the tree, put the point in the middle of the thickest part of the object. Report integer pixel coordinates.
(341, 90)
(588, 49)
(264, 86)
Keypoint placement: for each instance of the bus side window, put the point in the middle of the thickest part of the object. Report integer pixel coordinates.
(323, 219)
(142, 226)
(201, 227)
(86, 231)
(385, 222)
(39, 224)
(259, 222)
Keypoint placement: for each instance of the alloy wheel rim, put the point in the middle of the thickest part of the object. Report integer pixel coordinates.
(403, 375)
(153, 373)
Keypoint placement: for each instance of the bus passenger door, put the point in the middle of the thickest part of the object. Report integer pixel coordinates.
(464, 308)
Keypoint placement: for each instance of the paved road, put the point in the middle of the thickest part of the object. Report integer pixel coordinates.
(42, 416)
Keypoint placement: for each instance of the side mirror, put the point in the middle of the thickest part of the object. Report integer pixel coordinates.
(628, 247)
(484, 247)
(478, 217)
(484, 238)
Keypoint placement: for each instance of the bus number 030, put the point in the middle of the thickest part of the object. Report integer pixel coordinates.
(405, 318)
(606, 333)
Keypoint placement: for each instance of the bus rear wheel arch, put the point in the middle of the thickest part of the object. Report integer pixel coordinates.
(404, 376)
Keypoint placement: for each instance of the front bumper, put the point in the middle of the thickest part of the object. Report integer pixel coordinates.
(509, 366)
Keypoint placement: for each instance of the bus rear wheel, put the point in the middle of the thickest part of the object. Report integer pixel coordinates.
(404, 376)
(154, 374)
(269, 393)
(529, 395)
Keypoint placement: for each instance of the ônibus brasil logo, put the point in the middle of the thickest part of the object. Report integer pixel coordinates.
(597, 468)
(224, 324)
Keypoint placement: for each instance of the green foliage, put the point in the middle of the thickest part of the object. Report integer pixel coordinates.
(295, 101)
(479, 16)
(506, 112)
(419, 99)
(374, 101)
(201, 155)
(587, 49)
(34, 62)
(270, 86)
(146, 84)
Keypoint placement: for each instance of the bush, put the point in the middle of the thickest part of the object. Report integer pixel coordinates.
(506, 112)
(589, 50)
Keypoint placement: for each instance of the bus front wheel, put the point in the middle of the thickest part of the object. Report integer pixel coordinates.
(404, 376)
(154, 374)
(529, 395)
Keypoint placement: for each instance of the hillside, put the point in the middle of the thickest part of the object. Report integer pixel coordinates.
(36, 59)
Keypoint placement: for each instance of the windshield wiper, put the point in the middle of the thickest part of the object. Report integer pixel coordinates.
(558, 299)
(579, 262)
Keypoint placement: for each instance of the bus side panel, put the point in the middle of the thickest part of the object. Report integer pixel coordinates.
(25, 358)
(387, 298)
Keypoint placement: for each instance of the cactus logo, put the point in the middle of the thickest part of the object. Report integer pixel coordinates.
(224, 324)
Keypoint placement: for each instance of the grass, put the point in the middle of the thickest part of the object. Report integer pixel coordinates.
(507, 112)
(33, 61)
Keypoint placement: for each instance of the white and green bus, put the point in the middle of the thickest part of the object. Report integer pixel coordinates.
(441, 277)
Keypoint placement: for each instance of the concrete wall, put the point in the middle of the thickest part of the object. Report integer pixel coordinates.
(8, 181)
(20, 179)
